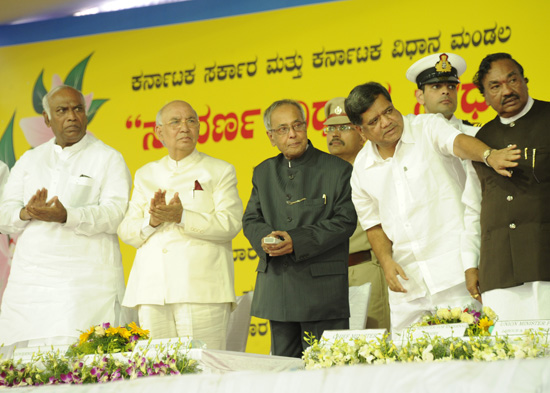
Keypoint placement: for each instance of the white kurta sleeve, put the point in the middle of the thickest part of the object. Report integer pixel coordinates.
(470, 240)
(366, 207)
(12, 200)
(442, 134)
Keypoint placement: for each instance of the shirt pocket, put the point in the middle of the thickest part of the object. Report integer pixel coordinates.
(201, 201)
(316, 202)
(421, 183)
(81, 191)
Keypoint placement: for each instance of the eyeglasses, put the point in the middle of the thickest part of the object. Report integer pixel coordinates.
(340, 127)
(298, 126)
(177, 123)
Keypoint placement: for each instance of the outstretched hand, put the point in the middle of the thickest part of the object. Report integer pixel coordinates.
(501, 160)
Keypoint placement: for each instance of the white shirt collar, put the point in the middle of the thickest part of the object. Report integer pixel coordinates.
(373, 156)
(73, 149)
(173, 164)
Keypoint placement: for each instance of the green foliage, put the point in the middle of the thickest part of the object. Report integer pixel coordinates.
(76, 75)
(94, 106)
(7, 153)
(38, 93)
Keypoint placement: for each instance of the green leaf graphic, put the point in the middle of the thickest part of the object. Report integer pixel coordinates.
(94, 106)
(38, 93)
(76, 75)
(6, 145)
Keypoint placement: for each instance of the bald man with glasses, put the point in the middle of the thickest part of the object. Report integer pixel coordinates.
(299, 219)
(184, 212)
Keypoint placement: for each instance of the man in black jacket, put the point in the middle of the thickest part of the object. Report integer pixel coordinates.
(512, 214)
(299, 219)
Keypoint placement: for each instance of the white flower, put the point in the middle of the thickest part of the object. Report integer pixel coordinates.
(467, 318)
(501, 354)
(456, 312)
(427, 354)
(489, 312)
(99, 331)
(443, 313)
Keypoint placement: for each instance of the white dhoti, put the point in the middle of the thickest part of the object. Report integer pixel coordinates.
(528, 301)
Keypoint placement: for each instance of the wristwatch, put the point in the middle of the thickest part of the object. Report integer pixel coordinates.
(486, 155)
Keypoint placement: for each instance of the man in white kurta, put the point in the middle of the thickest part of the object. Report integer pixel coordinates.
(184, 212)
(67, 271)
(407, 191)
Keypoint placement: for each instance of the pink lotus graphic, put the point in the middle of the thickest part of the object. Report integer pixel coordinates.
(35, 130)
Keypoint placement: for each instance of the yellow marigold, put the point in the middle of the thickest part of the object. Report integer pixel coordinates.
(111, 331)
(135, 329)
(125, 333)
(84, 336)
(485, 323)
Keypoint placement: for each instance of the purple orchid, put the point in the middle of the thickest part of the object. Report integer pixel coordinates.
(67, 378)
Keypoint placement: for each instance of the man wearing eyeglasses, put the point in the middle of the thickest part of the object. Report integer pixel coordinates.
(344, 141)
(507, 220)
(407, 195)
(184, 212)
(299, 219)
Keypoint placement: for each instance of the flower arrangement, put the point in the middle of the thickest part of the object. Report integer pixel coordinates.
(532, 344)
(105, 338)
(479, 322)
(51, 368)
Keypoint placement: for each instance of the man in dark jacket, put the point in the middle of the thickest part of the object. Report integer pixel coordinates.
(299, 219)
(512, 214)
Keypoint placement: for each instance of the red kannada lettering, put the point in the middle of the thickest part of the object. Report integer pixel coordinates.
(150, 140)
(226, 126)
(475, 107)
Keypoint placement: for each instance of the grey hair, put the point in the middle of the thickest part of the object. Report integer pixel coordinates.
(158, 119)
(275, 105)
(46, 99)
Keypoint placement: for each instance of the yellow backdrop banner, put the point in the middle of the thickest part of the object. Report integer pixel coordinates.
(231, 69)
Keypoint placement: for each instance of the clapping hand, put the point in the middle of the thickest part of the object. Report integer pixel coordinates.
(161, 212)
(39, 208)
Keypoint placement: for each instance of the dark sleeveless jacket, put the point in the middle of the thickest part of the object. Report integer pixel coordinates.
(515, 212)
